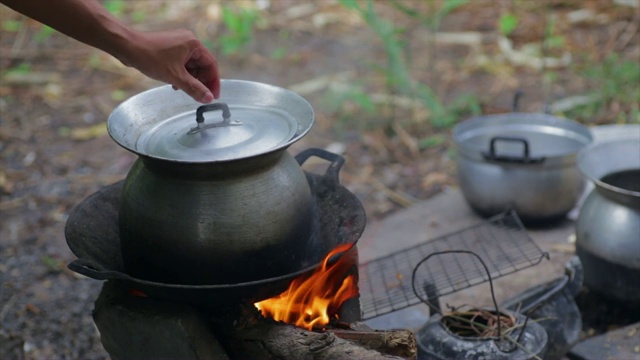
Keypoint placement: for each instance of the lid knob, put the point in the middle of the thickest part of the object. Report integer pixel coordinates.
(226, 117)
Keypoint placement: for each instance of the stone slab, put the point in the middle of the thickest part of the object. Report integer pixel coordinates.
(623, 343)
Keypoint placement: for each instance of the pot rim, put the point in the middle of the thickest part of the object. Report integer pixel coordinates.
(628, 146)
(131, 119)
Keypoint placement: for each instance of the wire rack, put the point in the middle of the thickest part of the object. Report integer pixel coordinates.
(501, 242)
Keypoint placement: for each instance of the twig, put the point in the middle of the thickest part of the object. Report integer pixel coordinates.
(12, 300)
(396, 197)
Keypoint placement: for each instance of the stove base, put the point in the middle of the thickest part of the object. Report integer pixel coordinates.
(144, 328)
(138, 327)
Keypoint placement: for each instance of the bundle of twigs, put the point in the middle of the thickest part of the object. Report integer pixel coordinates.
(479, 323)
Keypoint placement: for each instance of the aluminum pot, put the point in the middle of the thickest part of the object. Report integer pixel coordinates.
(214, 197)
(608, 226)
(520, 161)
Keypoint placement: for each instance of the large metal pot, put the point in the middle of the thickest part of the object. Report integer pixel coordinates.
(522, 161)
(608, 226)
(210, 201)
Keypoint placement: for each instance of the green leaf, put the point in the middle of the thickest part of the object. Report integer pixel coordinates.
(118, 95)
(432, 141)
(115, 7)
(555, 41)
(94, 60)
(279, 53)
(240, 25)
(138, 16)
(53, 264)
(350, 4)
(11, 25)
(507, 23)
(43, 34)
(20, 69)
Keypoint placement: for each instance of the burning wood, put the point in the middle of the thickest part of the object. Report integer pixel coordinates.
(130, 323)
(251, 336)
(310, 302)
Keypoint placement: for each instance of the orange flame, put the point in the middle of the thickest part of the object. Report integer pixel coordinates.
(311, 300)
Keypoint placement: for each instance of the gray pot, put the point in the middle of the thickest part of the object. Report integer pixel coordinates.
(608, 226)
(214, 197)
(520, 161)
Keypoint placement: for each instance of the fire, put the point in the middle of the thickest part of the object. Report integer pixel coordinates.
(310, 301)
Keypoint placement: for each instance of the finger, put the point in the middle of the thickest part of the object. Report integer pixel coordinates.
(203, 66)
(193, 87)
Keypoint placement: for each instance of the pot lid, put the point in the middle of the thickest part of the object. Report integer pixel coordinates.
(246, 131)
(249, 119)
(515, 136)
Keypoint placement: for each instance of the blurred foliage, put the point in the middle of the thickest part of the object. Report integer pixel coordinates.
(432, 141)
(115, 7)
(11, 25)
(282, 51)
(507, 23)
(552, 39)
(616, 93)
(120, 8)
(398, 77)
(53, 264)
(43, 34)
(240, 24)
(22, 68)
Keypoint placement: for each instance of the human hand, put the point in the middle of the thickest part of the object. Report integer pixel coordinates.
(178, 58)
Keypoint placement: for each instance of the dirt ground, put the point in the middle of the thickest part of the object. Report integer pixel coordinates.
(56, 95)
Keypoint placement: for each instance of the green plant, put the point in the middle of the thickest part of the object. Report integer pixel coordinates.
(11, 25)
(552, 40)
(398, 77)
(43, 34)
(19, 69)
(616, 84)
(431, 21)
(115, 7)
(240, 24)
(280, 52)
(507, 23)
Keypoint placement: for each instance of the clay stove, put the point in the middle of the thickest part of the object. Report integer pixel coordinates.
(144, 319)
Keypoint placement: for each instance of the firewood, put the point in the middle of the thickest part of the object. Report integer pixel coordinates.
(400, 343)
(254, 337)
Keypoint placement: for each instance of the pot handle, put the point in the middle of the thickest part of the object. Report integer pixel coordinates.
(226, 117)
(88, 268)
(524, 159)
(336, 161)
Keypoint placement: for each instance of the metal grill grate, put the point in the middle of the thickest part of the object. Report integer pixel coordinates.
(501, 242)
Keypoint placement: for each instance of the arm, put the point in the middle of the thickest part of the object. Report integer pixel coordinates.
(176, 57)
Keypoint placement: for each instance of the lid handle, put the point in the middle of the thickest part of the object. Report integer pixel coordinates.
(226, 117)
(524, 159)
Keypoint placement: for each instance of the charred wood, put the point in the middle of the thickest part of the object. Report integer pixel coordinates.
(256, 337)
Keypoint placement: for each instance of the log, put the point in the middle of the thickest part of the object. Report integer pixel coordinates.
(401, 343)
(255, 337)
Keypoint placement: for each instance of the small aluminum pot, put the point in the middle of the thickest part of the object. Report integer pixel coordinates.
(520, 161)
(608, 226)
(214, 197)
